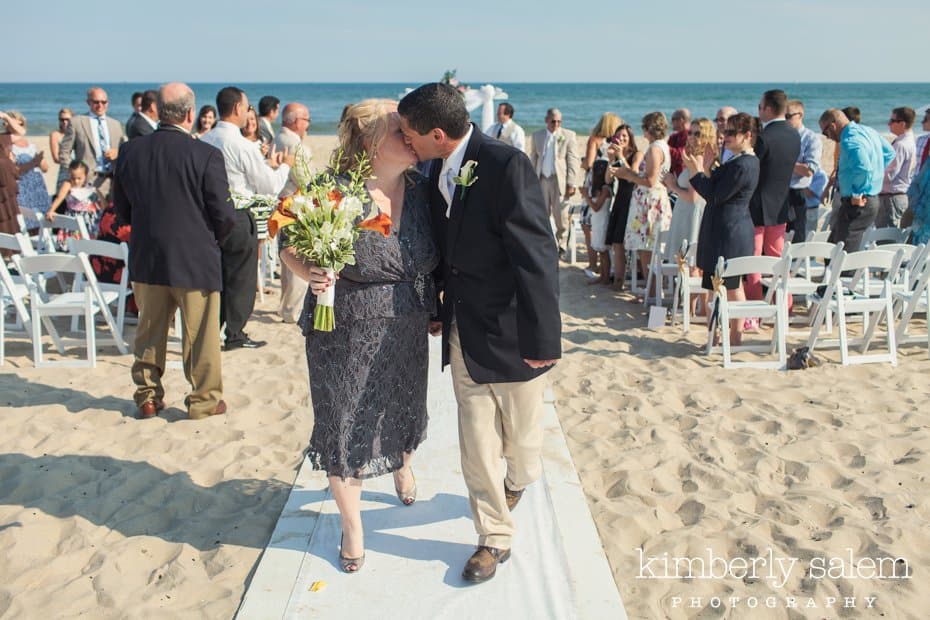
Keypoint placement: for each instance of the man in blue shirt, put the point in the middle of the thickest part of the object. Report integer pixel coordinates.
(864, 155)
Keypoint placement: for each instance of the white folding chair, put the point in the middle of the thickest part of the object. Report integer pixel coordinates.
(726, 310)
(686, 285)
(797, 278)
(574, 227)
(89, 302)
(115, 293)
(841, 303)
(67, 223)
(881, 236)
(915, 299)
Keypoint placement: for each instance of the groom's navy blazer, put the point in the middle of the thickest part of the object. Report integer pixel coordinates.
(499, 270)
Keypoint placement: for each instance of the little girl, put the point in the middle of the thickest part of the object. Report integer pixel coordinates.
(597, 198)
(80, 200)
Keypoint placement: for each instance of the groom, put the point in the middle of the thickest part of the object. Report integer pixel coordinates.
(499, 313)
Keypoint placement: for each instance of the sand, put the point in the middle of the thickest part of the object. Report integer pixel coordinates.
(106, 516)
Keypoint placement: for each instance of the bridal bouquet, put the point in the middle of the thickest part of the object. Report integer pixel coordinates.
(320, 219)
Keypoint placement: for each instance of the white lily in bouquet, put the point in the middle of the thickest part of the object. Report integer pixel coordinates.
(320, 219)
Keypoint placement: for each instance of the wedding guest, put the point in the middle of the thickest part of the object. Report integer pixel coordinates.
(136, 103)
(553, 154)
(249, 173)
(597, 194)
(250, 132)
(295, 122)
(918, 195)
(268, 107)
(777, 148)
(813, 195)
(145, 121)
(79, 198)
(8, 175)
(624, 153)
(723, 114)
(650, 208)
(678, 141)
(689, 208)
(174, 193)
(923, 142)
(807, 164)
(863, 157)
(892, 201)
(853, 113)
(384, 303)
(32, 193)
(94, 139)
(595, 149)
(726, 227)
(597, 140)
(56, 135)
(206, 119)
(506, 129)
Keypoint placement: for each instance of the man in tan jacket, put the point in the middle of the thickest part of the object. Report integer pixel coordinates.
(554, 154)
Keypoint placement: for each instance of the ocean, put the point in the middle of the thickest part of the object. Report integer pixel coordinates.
(581, 104)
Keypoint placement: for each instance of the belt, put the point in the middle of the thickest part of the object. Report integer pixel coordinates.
(893, 194)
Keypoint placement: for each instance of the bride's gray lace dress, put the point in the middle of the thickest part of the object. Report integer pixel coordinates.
(368, 376)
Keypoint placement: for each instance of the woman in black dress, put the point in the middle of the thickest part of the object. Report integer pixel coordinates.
(368, 376)
(622, 153)
(726, 227)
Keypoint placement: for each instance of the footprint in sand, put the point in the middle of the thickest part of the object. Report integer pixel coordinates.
(691, 512)
(876, 508)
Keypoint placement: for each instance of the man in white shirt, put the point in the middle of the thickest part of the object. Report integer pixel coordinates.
(506, 130)
(892, 201)
(249, 173)
(295, 122)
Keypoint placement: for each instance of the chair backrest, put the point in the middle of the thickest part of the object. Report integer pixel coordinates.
(744, 265)
(818, 235)
(882, 236)
(809, 249)
(93, 247)
(687, 253)
(9, 242)
(61, 263)
(908, 251)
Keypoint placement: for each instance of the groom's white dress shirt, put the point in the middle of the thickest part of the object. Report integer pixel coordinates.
(245, 166)
(450, 168)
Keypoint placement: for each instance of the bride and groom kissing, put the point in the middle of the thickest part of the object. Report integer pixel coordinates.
(470, 256)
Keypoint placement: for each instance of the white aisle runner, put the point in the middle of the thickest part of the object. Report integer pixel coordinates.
(415, 554)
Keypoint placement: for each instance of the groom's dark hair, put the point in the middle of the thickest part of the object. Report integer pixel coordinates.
(434, 106)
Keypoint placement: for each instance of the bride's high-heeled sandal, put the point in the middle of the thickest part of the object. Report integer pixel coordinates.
(407, 497)
(347, 564)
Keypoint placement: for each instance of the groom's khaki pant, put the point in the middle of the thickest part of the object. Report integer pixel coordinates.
(496, 421)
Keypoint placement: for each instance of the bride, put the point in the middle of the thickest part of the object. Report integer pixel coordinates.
(368, 376)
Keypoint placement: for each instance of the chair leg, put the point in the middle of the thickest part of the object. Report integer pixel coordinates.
(889, 323)
(675, 295)
(36, 337)
(844, 343)
(91, 331)
(725, 333)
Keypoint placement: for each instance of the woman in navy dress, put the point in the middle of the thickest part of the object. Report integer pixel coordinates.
(726, 226)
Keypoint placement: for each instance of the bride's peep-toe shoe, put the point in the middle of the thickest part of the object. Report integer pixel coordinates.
(407, 497)
(350, 565)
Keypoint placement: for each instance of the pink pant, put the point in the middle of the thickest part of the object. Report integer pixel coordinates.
(769, 241)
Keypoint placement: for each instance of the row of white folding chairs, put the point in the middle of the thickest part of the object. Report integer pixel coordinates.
(81, 295)
(877, 304)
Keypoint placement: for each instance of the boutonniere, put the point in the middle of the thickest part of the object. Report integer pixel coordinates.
(560, 139)
(466, 177)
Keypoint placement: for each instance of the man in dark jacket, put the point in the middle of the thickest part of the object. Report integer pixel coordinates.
(777, 149)
(174, 192)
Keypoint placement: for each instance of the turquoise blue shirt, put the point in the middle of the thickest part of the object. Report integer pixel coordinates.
(864, 155)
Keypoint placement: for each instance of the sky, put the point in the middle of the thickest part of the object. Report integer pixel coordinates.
(502, 41)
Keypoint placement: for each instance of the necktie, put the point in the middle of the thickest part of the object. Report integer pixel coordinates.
(500, 130)
(924, 154)
(103, 142)
(447, 188)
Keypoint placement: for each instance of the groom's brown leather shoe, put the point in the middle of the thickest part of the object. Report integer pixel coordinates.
(512, 497)
(150, 408)
(482, 565)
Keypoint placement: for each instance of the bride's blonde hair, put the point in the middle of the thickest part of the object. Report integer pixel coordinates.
(362, 129)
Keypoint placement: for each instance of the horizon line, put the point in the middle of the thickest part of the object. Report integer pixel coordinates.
(914, 82)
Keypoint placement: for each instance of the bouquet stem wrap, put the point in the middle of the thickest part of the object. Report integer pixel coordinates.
(324, 319)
